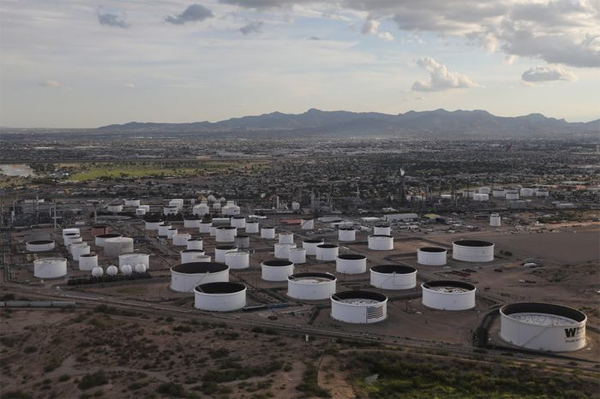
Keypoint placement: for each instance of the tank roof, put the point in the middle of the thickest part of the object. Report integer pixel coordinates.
(473, 243)
(448, 284)
(40, 242)
(225, 247)
(221, 287)
(109, 235)
(200, 267)
(543, 309)
(314, 240)
(275, 262)
(389, 269)
(313, 276)
(328, 246)
(432, 249)
(351, 256)
(344, 295)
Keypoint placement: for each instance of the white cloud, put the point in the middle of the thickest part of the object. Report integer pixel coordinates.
(387, 36)
(49, 83)
(194, 13)
(547, 73)
(370, 26)
(440, 78)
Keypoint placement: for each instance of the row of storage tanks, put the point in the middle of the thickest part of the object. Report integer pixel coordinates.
(484, 193)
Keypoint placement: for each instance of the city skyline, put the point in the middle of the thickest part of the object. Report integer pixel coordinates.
(80, 64)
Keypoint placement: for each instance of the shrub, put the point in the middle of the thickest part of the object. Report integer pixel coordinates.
(93, 380)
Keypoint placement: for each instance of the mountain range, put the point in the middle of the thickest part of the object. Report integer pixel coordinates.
(352, 124)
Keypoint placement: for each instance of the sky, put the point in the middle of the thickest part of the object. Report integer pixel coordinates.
(84, 64)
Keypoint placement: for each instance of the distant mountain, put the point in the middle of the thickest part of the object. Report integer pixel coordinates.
(344, 123)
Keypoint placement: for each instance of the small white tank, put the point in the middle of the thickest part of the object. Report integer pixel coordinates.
(88, 261)
(282, 251)
(432, 256)
(191, 223)
(181, 239)
(140, 268)
(226, 234)
(238, 222)
(382, 230)
(126, 270)
(114, 247)
(171, 232)
(222, 250)
(47, 268)
(252, 227)
(97, 271)
(351, 264)
(327, 252)
(311, 245)
(346, 234)
(495, 220)
(205, 227)
(40, 245)
(140, 212)
(191, 255)
(381, 242)
(276, 270)
(267, 232)
(297, 256)
(195, 243)
(112, 270)
(237, 260)
(286, 237)
(163, 228)
(79, 249)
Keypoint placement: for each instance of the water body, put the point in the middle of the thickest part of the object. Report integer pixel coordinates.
(22, 170)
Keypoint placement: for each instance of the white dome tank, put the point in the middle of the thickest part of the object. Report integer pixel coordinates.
(134, 258)
(327, 252)
(140, 268)
(221, 250)
(311, 245)
(220, 296)
(97, 271)
(185, 276)
(381, 242)
(351, 264)
(88, 261)
(237, 260)
(393, 277)
(126, 270)
(48, 268)
(432, 256)
(360, 307)
(297, 256)
(112, 270)
(311, 286)
(276, 270)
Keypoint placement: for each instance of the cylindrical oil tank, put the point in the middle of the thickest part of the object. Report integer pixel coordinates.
(347, 234)
(297, 256)
(72, 239)
(205, 226)
(526, 192)
(542, 193)
(170, 210)
(226, 234)
(311, 245)
(195, 243)
(221, 250)
(393, 277)
(238, 221)
(381, 242)
(40, 245)
(114, 247)
(181, 239)
(99, 229)
(163, 229)
(473, 251)
(242, 241)
(499, 193)
(191, 222)
(152, 225)
(237, 260)
(88, 261)
(140, 212)
(171, 231)
(115, 208)
(282, 251)
(295, 206)
(252, 227)
(481, 197)
(495, 220)
(216, 206)
(448, 295)
(360, 307)
(267, 232)
(307, 224)
(79, 249)
(134, 258)
(132, 202)
(276, 270)
(512, 195)
(311, 286)
(213, 230)
(543, 326)
(100, 240)
(484, 190)
(351, 264)
(432, 256)
(327, 252)
(145, 207)
(191, 255)
(185, 276)
(382, 229)
(201, 209)
(71, 230)
(220, 296)
(286, 237)
(47, 268)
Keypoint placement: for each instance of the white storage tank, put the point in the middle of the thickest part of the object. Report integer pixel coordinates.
(226, 234)
(311, 286)
(512, 195)
(382, 229)
(181, 239)
(221, 250)
(432, 256)
(80, 249)
(543, 326)
(220, 296)
(448, 295)
(484, 190)
(97, 272)
(171, 231)
(238, 221)
(201, 209)
(242, 241)
(47, 268)
(191, 255)
(71, 230)
(307, 224)
(473, 251)
(213, 230)
(347, 234)
(112, 270)
(267, 232)
(286, 237)
(72, 238)
(237, 260)
(115, 208)
(100, 240)
(297, 256)
(295, 206)
(526, 192)
(311, 245)
(230, 209)
(327, 252)
(393, 277)
(140, 268)
(134, 258)
(542, 193)
(88, 261)
(351, 264)
(481, 197)
(126, 270)
(114, 247)
(495, 220)
(132, 202)
(40, 245)
(185, 276)
(176, 202)
(195, 243)
(190, 222)
(163, 229)
(252, 227)
(359, 307)
(152, 224)
(282, 251)
(499, 193)
(381, 242)
(276, 270)
(140, 212)
(205, 226)
(145, 207)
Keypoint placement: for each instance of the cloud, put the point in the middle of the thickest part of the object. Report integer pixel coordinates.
(370, 26)
(387, 36)
(49, 83)
(112, 20)
(194, 13)
(263, 4)
(547, 73)
(129, 85)
(440, 78)
(252, 27)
